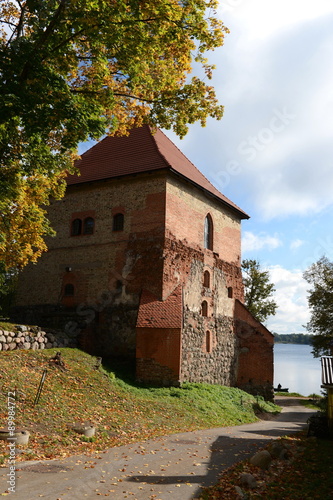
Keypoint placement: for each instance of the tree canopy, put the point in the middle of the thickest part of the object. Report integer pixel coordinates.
(320, 300)
(73, 70)
(258, 290)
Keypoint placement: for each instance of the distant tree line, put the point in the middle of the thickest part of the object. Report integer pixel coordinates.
(293, 338)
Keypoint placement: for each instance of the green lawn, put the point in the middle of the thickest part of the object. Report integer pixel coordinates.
(109, 399)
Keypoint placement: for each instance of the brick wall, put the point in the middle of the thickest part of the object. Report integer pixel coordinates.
(158, 353)
(159, 249)
(256, 353)
(186, 209)
(99, 260)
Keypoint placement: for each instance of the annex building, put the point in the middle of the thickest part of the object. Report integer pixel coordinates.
(146, 265)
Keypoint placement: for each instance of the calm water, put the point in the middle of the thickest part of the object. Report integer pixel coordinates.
(296, 368)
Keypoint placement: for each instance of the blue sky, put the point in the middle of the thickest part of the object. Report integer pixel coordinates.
(272, 153)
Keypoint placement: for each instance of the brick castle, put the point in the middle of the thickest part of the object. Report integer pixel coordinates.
(146, 265)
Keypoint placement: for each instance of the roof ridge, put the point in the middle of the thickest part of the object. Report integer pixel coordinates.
(213, 189)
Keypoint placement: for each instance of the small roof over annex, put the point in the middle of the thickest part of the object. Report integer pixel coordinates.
(143, 150)
(154, 313)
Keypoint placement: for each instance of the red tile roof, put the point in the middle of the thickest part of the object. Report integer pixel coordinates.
(154, 313)
(141, 151)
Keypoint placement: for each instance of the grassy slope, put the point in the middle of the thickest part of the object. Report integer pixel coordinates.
(121, 411)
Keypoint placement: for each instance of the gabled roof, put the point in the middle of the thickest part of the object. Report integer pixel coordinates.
(143, 150)
(327, 371)
(154, 313)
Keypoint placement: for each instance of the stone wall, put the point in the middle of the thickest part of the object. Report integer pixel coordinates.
(209, 350)
(33, 337)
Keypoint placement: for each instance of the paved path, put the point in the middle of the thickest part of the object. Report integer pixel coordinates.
(170, 468)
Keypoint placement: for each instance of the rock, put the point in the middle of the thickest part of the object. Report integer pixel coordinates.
(50, 337)
(48, 345)
(5, 347)
(42, 345)
(21, 328)
(261, 459)
(248, 480)
(239, 493)
(2, 338)
(0, 347)
(12, 346)
(276, 449)
(35, 346)
(26, 345)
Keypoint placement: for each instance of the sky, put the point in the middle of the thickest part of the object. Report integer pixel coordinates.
(272, 152)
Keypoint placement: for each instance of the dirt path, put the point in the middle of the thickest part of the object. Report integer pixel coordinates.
(175, 467)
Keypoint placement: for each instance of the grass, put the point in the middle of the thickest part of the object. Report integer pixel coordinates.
(307, 475)
(109, 399)
(10, 327)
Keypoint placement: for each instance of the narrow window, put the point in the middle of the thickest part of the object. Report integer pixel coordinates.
(208, 233)
(69, 290)
(208, 341)
(230, 292)
(88, 225)
(118, 222)
(204, 308)
(206, 280)
(76, 227)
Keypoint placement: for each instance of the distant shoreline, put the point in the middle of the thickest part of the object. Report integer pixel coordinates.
(293, 338)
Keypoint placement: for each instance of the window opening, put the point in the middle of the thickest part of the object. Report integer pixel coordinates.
(69, 290)
(88, 226)
(76, 227)
(204, 308)
(208, 233)
(230, 292)
(208, 341)
(206, 280)
(118, 222)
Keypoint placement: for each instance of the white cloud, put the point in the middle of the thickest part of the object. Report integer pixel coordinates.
(291, 296)
(251, 241)
(296, 244)
(262, 19)
(276, 59)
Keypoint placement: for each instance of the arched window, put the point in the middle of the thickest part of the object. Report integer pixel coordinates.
(88, 225)
(206, 279)
(118, 222)
(204, 308)
(208, 232)
(76, 227)
(69, 290)
(208, 341)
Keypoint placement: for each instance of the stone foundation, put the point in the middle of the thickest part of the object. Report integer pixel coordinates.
(33, 337)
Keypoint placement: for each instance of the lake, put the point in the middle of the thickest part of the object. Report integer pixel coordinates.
(296, 368)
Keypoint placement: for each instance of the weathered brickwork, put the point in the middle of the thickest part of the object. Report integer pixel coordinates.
(255, 372)
(99, 260)
(186, 209)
